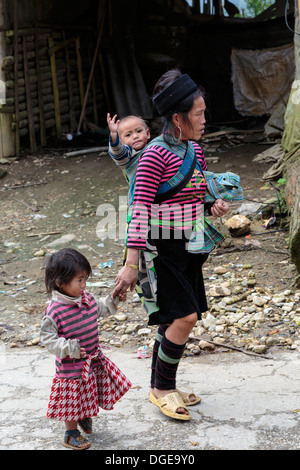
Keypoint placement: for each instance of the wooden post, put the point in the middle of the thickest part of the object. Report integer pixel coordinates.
(79, 69)
(16, 50)
(43, 138)
(28, 98)
(70, 89)
(196, 7)
(55, 88)
(91, 72)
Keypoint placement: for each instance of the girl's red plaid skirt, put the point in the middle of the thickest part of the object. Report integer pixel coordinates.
(71, 400)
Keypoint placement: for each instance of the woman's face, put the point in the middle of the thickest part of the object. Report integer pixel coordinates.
(193, 129)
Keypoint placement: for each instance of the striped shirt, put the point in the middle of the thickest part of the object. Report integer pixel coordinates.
(156, 166)
(74, 322)
(70, 324)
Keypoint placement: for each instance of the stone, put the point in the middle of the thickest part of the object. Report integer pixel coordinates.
(208, 321)
(204, 345)
(121, 316)
(219, 291)
(64, 240)
(238, 225)
(144, 331)
(220, 270)
(259, 349)
(259, 301)
(132, 328)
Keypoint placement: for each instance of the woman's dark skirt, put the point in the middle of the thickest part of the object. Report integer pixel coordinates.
(180, 285)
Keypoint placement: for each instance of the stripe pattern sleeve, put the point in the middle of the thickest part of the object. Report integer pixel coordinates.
(120, 153)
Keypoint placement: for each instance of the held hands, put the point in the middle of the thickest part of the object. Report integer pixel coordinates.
(113, 125)
(127, 277)
(219, 208)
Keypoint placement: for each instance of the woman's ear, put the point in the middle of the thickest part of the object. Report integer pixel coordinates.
(176, 119)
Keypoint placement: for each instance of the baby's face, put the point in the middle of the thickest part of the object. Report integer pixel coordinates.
(133, 132)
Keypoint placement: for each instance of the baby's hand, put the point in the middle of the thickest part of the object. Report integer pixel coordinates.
(113, 123)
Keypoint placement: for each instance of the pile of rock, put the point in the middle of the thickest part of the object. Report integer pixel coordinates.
(249, 317)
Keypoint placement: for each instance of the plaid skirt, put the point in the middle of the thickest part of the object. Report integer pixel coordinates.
(75, 399)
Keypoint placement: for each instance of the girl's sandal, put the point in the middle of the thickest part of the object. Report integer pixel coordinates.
(86, 425)
(74, 440)
(186, 398)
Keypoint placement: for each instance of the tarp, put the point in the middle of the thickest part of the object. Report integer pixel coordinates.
(261, 79)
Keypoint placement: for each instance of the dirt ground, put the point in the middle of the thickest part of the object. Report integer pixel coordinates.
(48, 195)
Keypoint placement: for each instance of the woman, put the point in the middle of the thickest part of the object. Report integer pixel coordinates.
(180, 289)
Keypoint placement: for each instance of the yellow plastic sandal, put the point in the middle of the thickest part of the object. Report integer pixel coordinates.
(186, 398)
(169, 405)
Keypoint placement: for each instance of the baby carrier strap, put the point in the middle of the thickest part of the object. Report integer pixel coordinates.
(183, 175)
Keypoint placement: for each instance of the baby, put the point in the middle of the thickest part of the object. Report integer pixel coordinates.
(132, 131)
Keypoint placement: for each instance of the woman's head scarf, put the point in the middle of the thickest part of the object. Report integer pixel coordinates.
(174, 94)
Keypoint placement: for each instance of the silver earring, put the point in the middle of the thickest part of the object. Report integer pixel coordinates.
(176, 139)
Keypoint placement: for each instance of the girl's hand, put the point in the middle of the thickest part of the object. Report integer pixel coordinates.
(82, 353)
(127, 277)
(219, 208)
(122, 297)
(113, 125)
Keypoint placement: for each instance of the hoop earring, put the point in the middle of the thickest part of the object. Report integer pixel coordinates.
(176, 139)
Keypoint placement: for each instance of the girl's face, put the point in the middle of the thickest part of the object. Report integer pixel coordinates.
(195, 128)
(76, 286)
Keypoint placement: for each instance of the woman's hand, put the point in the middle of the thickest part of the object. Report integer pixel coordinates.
(127, 277)
(219, 208)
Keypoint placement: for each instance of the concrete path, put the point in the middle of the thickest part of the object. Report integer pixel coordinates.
(248, 403)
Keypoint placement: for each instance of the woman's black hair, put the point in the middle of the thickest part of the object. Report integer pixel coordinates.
(183, 107)
(62, 266)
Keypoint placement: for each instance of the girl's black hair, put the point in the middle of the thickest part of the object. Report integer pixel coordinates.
(62, 266)
(183, 107)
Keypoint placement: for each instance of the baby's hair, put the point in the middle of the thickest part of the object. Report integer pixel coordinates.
(63, 266)
(131, 116)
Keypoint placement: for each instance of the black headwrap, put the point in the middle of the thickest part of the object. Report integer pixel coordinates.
(173, 94)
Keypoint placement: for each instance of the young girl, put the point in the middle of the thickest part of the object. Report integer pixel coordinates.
(85, 379)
